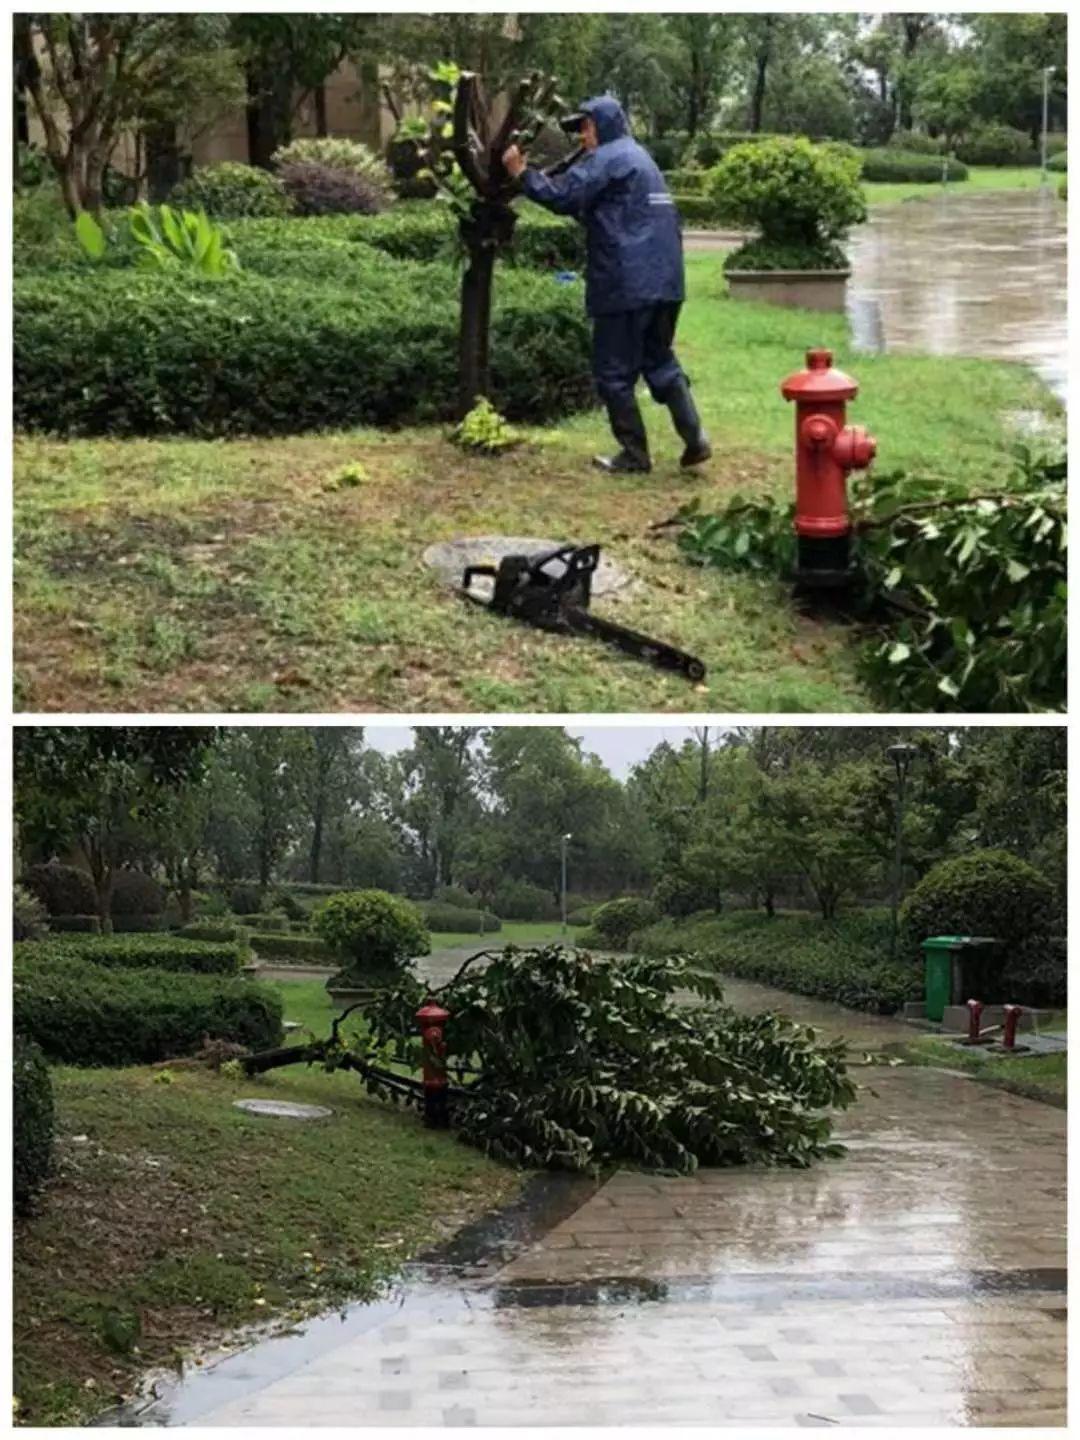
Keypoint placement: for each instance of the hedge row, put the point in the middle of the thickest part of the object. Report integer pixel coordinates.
(429, 232)
(904, 166)
(129, 353)
(456, 919)
(86, 1014)
(159, 952)
(844, 960)
(306, 949)
(32, 1120)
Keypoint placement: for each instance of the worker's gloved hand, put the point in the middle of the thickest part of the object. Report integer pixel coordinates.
(514, 162)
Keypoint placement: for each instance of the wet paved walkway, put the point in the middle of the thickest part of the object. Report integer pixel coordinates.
(920, 1280)
(954, 274)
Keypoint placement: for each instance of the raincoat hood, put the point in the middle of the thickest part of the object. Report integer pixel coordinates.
(609, 116)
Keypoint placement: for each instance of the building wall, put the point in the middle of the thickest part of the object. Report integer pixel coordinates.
(354, 109)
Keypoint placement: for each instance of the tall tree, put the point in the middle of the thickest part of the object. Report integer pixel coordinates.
(327, 770)
(266, 762)
(438, 777)
(90, 78)
(98, 791)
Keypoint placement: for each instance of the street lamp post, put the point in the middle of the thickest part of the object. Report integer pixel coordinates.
(1048, 70)
(901, 757)
(564, 841)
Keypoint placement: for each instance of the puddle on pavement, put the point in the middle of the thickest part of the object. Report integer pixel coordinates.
(919, 1279)
(980, 275)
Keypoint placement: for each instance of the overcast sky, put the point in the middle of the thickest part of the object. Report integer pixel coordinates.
(619, 746)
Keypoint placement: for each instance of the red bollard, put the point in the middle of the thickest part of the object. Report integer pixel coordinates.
(1012, 1019)
(975, 1009)
(826, 449)
(432, 1019)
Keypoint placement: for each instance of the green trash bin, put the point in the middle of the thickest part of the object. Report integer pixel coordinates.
(959, 968)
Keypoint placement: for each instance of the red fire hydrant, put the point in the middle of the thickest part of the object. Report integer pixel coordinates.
(826, 449)
(1012, 1019)
(432, 1018)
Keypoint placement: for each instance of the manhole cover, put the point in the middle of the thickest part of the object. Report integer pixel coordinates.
(283, 1109)
(449, 558)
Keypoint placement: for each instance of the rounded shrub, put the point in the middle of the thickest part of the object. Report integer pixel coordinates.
(246, 899)
(615, 922)
(989, 892)
(995, 144)
(32, 1122)
(336, 152)
(581, 917)
(29, 919)
(136, 894)
(209, 930)
(315, 189)
(62, 889)
(231, 191)
(289, 905)
(916, 142)
(82, 1013)
(455, 895)
(667, 150)
(372, 932)
(796, 195)
(1058, 163)
(906, 167)
(686, 890)
(522, 900)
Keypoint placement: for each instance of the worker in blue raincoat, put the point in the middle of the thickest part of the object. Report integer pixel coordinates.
(634, 284)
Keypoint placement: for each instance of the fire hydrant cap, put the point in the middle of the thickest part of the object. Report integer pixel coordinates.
(433, 1012)
(819, 381)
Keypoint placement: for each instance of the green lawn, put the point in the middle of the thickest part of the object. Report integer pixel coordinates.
(1040, 1077)
(513, 932)
(176, 1217)
(980, 178)
(228, 575)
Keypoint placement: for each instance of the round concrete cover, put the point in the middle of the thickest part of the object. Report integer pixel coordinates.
(283, 1109)
(449, 558)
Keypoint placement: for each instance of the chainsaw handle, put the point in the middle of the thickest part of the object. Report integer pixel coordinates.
(471, 570)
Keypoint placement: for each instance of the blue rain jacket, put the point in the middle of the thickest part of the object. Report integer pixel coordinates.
(633, 234)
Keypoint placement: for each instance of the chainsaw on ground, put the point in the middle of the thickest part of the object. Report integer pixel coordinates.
(552, 591)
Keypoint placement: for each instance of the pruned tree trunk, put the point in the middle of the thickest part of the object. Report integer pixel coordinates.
(488, 226)
(474, 334)
(321, 127)
(162, 161)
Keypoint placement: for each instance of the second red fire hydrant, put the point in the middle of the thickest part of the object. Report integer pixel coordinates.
(826, 450)
(432, 1019)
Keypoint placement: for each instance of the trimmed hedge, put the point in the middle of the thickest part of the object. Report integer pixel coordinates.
(429, 232)
(75, 924)
(306, 949)
(131, 353)
(209, 930)
(888, 164)
(159, 952)
(86, 1014)
(33, 1122)
(845, 960)
(455, 918)
(29, 920)
(264, 921)
(62, 889)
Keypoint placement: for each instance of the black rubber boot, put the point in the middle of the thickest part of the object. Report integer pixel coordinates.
(687, 422)
(628, 428)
